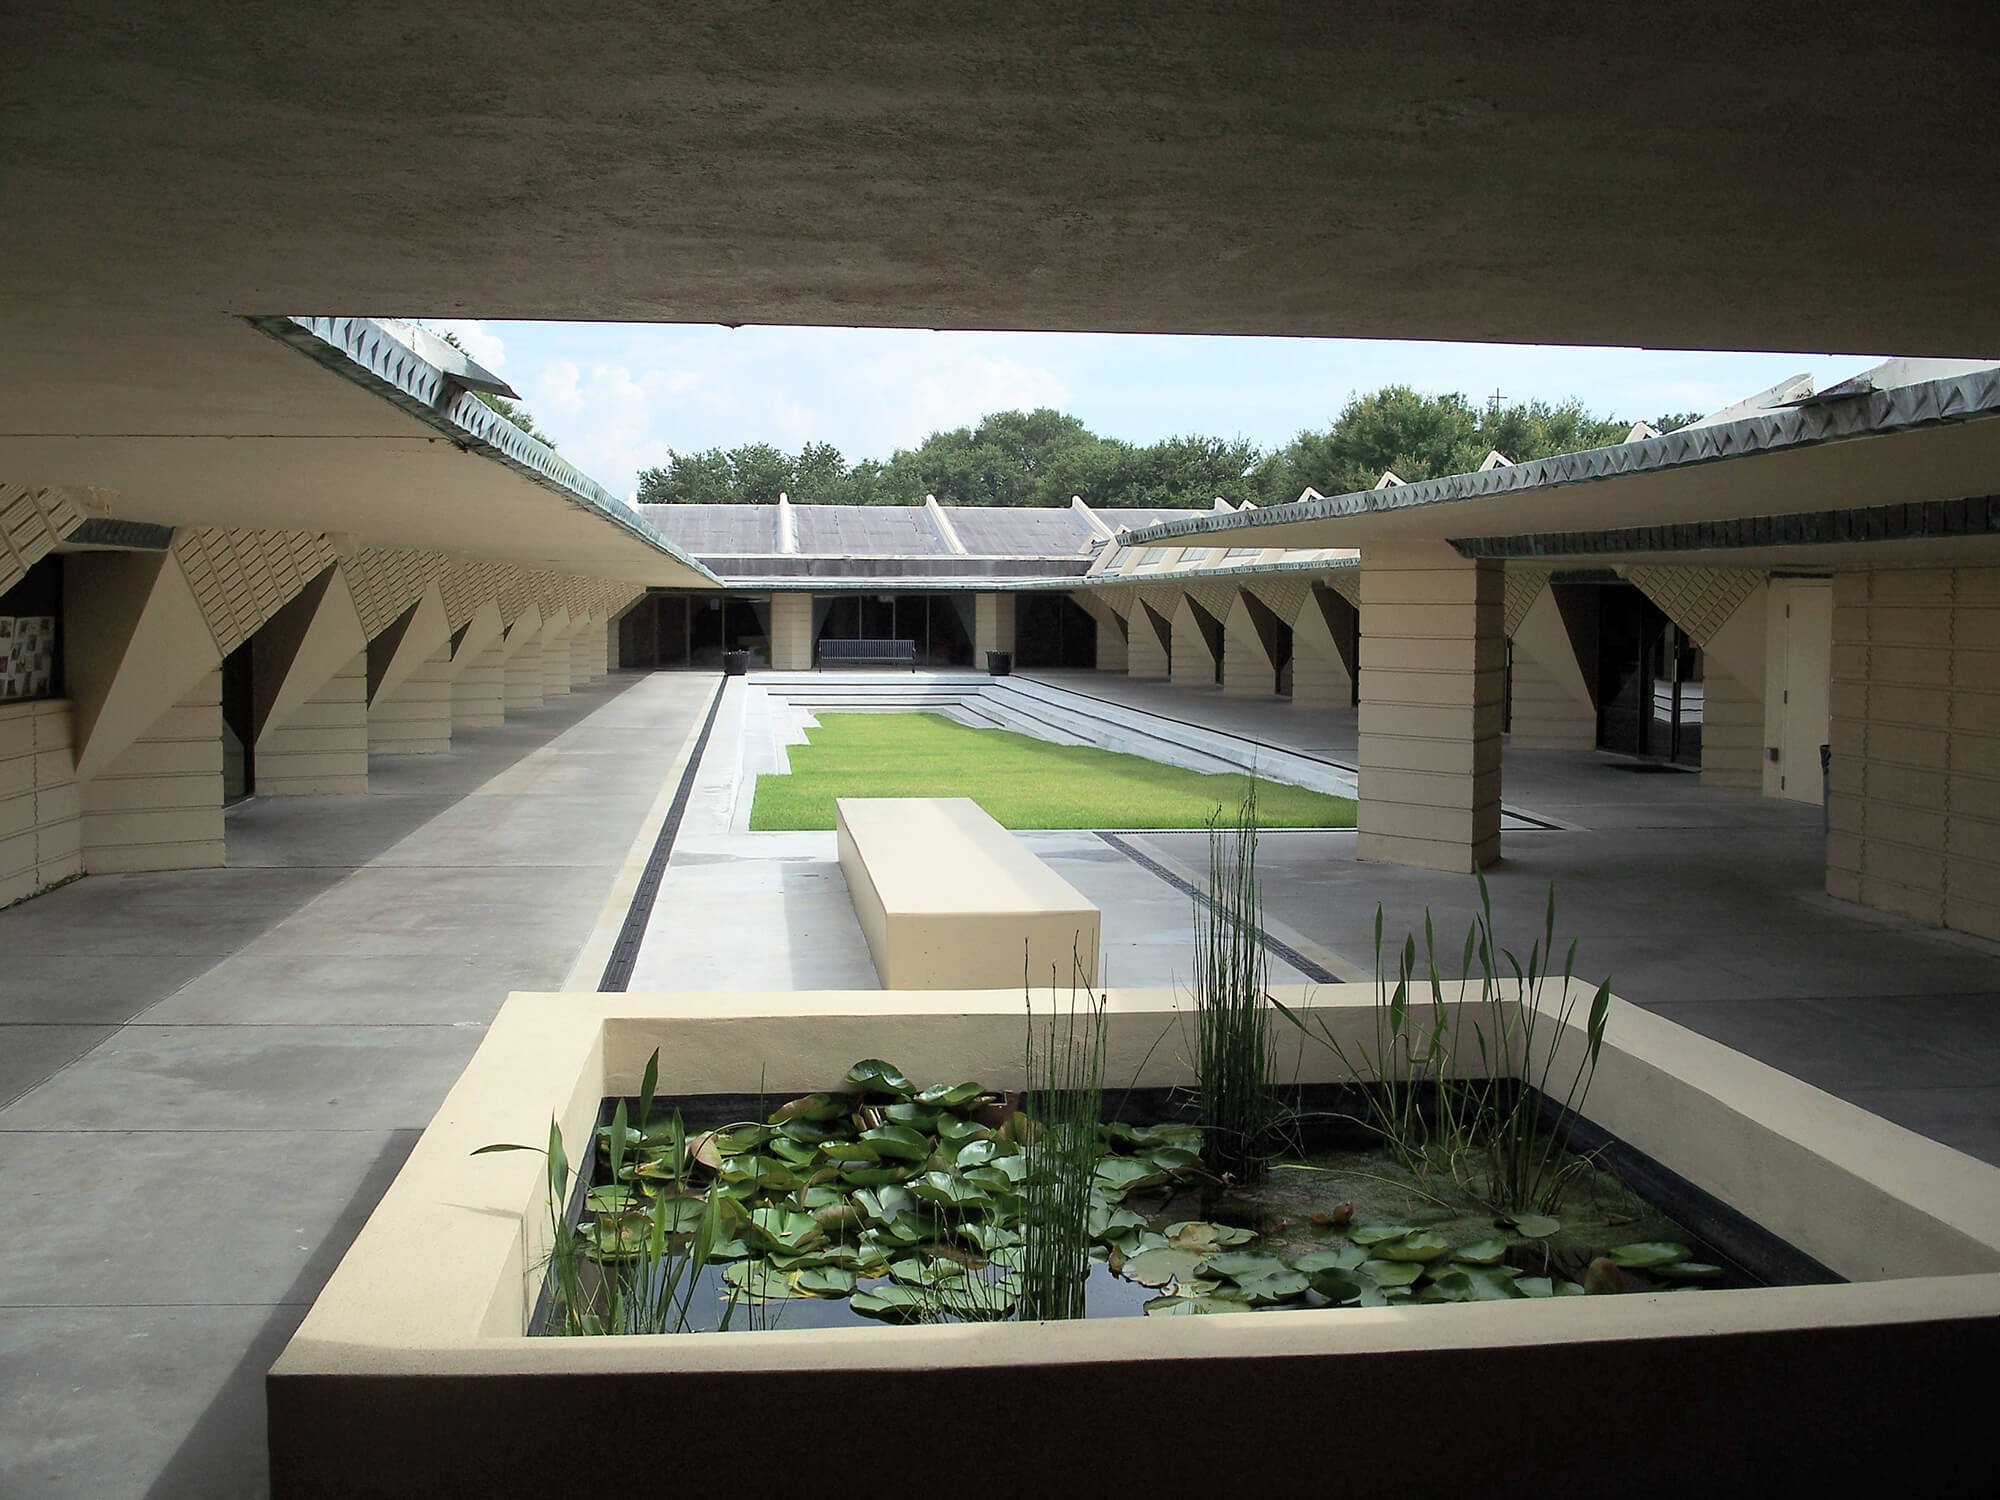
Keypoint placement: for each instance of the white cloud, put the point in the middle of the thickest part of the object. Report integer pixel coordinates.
(482, 343)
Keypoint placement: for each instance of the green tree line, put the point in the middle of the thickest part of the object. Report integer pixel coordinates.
(1042, 457)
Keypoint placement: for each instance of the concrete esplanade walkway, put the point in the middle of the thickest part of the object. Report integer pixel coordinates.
(208, 1078)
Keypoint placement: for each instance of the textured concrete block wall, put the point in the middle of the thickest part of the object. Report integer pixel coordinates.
(1732, 730)
(1247, 669)
(1545, 715)
(479, 692)
(524, 679)
(556, 666)
(792, 632)
(41, 838)
(414, 717)
(1432, 669)
(1112, 655)
(1190, 658)
(158, 806)
(586, 654)
(1146, 654)
(1914, 815)
(323, 747)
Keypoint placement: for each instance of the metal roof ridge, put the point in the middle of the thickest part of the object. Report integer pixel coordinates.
(1872, 413)
(369, 354)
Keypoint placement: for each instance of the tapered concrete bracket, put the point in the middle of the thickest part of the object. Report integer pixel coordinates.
(1432, 679)
(412, 640)
(137, 643)
(302, 647)
(1553, 708)
(484, 629)
(1322, 644)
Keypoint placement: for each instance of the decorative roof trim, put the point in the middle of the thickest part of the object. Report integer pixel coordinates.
(365, 352)
(1865, 414)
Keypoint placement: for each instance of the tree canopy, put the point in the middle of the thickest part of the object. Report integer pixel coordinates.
(1042, 457)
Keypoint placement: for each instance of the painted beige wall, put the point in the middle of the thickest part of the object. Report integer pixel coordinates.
(1797, 677)
(41, 834)
(479, 690)
(158, 806)
(586, 652)
(1915, 724)
(1432, 664)
(1190, 661)
(415, 717)
(992, 625)
(1320, 677)
(412, 1361)
(483, 629)
(948, 899)
(791, 632)
(135, 640)
(412, 641)
(1247, 668)
(1146, 654)
(520, 652)
(300, 648)
(1552, 706)
(556, 665)
(1112, 652)
(322, 748)
(1732, 730)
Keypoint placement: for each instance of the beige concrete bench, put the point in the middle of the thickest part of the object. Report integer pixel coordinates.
(950, 900)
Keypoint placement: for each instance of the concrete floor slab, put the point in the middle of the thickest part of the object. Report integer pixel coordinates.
(34, 1052)
(113, 1403)
(92, 987)
(183, 913)
(129, 1219)
(349, 989)
(347, 1078)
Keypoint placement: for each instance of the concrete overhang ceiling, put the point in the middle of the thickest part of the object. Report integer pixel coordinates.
(1706, 175)
(211, 422)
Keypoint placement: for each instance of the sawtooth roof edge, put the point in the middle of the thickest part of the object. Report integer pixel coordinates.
(363, 351)
(1866, 414)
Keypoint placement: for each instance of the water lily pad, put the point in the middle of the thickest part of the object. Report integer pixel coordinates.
(1338, 1284)
(1419, 1245)
(1533, 1226)
(611, 1198)
(950, 1095)
(1194, 1307)
(948, 1191)
(1486, 1252)
(1159, 1267)
(737, 1139)
(1241, 1265)
(1279, 1286)
(1375, 1234)
(875, 1076)
(873, 1176)
(891, 1303)
(956, 1132)
(756, 1281)
(1120, 1174)
(792, 1152)
(1647, 1253)
(897, 1143)
(881, 1204)
(1535, 1286)
(916, 1116)
(1391, 1273)
(812, 1107)
(1173, 1158)
(824, 1281)
(977, 1152)
(844, 1151)
(1197, 1234)
(1335, 1257)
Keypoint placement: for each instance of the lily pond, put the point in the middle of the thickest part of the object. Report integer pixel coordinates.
(899, 1203)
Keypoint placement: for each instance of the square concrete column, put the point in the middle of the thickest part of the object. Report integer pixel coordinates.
(792, 632)
(1432, 670)
(993, 625)
(1148, 647)
(1112, 652)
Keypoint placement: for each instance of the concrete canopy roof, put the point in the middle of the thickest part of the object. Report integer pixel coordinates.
(1709, 175)
(211, 422)
(1929, 441)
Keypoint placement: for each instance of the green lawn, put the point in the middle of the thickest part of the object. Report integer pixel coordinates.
(1022, 781)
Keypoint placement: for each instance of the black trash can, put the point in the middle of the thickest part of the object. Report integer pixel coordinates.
(999, 663)
(735, 663)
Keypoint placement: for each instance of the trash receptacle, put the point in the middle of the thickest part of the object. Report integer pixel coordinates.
(735, 663)
(999, 663)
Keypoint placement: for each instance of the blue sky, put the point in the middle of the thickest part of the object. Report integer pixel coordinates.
(616, 397)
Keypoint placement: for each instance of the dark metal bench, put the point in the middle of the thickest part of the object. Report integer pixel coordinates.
(877, 653)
